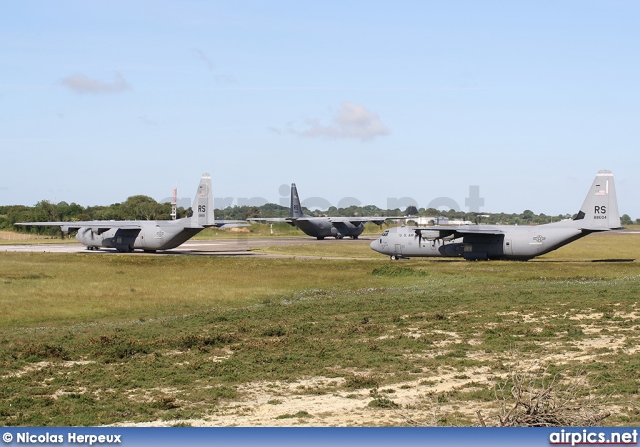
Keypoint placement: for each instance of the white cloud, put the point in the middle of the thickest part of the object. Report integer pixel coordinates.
(82, 84)
(351, 121)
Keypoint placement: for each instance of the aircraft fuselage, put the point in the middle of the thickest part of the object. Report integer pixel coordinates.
(515, 242)
(321, 227)
(152, 236)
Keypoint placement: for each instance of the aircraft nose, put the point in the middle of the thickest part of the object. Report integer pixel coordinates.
(374, 245)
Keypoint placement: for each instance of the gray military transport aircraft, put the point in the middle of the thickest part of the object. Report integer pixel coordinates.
(321, 227)
(599, 212)
(148, 235)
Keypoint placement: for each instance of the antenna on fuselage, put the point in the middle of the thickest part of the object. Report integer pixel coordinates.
(174, 203)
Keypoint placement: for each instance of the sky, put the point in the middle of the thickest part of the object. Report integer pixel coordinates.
(358, 102)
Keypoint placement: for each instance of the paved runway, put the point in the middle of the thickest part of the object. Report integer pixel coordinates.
(240, 246)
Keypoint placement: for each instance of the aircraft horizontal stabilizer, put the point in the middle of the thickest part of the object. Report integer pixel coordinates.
(269, 219)
(230, 223)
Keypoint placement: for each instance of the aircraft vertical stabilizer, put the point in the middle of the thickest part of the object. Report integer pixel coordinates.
(600, 208)
(203, 203)
(296, 208)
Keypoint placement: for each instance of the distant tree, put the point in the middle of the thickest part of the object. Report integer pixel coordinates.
(112, 212)
(432, 212)
(411, 211)
(528, 214)
(625, 220)
(372, 210)
(45, 211)
(142, 207)
(542, 219)
(253, 212)
(69, 212)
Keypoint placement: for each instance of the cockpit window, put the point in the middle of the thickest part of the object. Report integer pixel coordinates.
(385, 232)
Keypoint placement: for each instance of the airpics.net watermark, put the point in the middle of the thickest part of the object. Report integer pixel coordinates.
(473, 202)
(593, 437)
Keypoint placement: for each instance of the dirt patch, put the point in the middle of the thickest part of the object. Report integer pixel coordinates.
(432, 398)
(41, 365)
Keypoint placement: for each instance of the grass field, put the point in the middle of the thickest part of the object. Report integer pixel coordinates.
(124, 339)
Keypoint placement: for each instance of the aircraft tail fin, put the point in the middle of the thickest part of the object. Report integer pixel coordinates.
(203, 203)
(296, 208)
(600, 208)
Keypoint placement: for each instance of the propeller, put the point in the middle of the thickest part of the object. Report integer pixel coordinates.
(88, 229)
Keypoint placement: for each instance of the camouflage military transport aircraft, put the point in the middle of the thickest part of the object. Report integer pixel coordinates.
(148, 235)
(599, 212)
(321, 227)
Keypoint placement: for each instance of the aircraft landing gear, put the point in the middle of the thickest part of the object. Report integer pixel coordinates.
(339, 236)
(320, 238)
(354, 237)
(395, 257)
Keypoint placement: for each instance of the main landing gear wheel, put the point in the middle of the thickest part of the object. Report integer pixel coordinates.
(320, 238)
(339, 236)
(394, 257)
(354, 237)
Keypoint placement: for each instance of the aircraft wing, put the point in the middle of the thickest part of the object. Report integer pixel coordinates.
(97, 226)
(358, 220)
(441, 232)
(481, 230)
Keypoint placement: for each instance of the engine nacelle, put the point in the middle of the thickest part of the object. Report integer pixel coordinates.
(429, 234)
